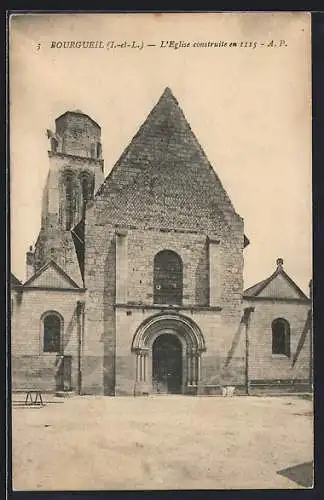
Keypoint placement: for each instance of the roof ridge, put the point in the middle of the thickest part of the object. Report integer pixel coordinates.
(167, 107)
(167, 92)
(255, 290)
(46, 266)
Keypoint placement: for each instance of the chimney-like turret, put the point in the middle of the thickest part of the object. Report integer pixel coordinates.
(77, 134)
(30, 262)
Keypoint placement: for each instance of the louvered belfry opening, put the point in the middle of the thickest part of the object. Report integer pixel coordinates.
(86, 190)
(168, 277)
(70, 200)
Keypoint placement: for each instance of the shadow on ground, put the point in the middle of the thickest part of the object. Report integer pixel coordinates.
(308, 397)
(301, 474)
(22, 404)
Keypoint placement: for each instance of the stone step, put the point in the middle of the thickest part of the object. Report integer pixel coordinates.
(65, 394)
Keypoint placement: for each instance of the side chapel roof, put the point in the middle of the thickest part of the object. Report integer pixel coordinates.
(283, 286)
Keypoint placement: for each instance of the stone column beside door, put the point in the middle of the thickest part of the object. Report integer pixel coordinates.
(142, 385)
(193, 371)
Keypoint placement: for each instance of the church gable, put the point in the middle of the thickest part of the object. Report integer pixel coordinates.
(281, 288)
(51, 276)
(14, 282)
(278, 286)
(164, 177)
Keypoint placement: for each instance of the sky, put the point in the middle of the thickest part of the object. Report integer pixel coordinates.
(250, 109)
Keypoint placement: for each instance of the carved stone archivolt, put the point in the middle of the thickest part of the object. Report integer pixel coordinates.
(184, 328)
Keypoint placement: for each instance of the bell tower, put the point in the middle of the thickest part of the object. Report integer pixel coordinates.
(76, 170)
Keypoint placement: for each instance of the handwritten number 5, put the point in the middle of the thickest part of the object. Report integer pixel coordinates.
(38, 46)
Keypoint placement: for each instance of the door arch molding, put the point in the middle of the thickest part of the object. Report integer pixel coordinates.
(185, 327)
(190, 337)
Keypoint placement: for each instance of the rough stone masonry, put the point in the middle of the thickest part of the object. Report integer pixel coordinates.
(135, 284)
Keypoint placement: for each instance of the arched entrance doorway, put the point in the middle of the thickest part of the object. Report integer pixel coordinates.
(167, 364)
(167, 351)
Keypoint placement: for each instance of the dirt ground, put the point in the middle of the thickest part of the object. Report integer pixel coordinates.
(163, 442)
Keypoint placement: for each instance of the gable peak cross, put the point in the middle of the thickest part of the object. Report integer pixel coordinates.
(279, 263)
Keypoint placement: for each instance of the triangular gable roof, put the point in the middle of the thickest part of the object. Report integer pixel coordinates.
(253, 291)
(51, 275)
(163, 147)
(165, 119)
(259, 289)
(14, 281)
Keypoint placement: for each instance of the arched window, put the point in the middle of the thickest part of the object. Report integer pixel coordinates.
(54, 144)
(52, 326)
(98, 150)
(93, 150)
(86, 189)
(280, 337)
(167, 278)
(70, 200)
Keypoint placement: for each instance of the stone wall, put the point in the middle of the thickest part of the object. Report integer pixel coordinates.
(162, 194)
(108, 333)
(78, 133)
(31, 367)
(54, 242)
(222, 362)
(267, 366)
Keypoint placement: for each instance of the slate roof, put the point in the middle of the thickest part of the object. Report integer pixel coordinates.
(57, 268)
(14, 281)
(164, 177)
(254, 290)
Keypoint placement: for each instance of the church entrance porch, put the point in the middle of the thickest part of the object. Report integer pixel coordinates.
(167, 349)
(167, 364)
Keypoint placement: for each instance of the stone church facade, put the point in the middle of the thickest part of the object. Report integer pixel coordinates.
(135, 283)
